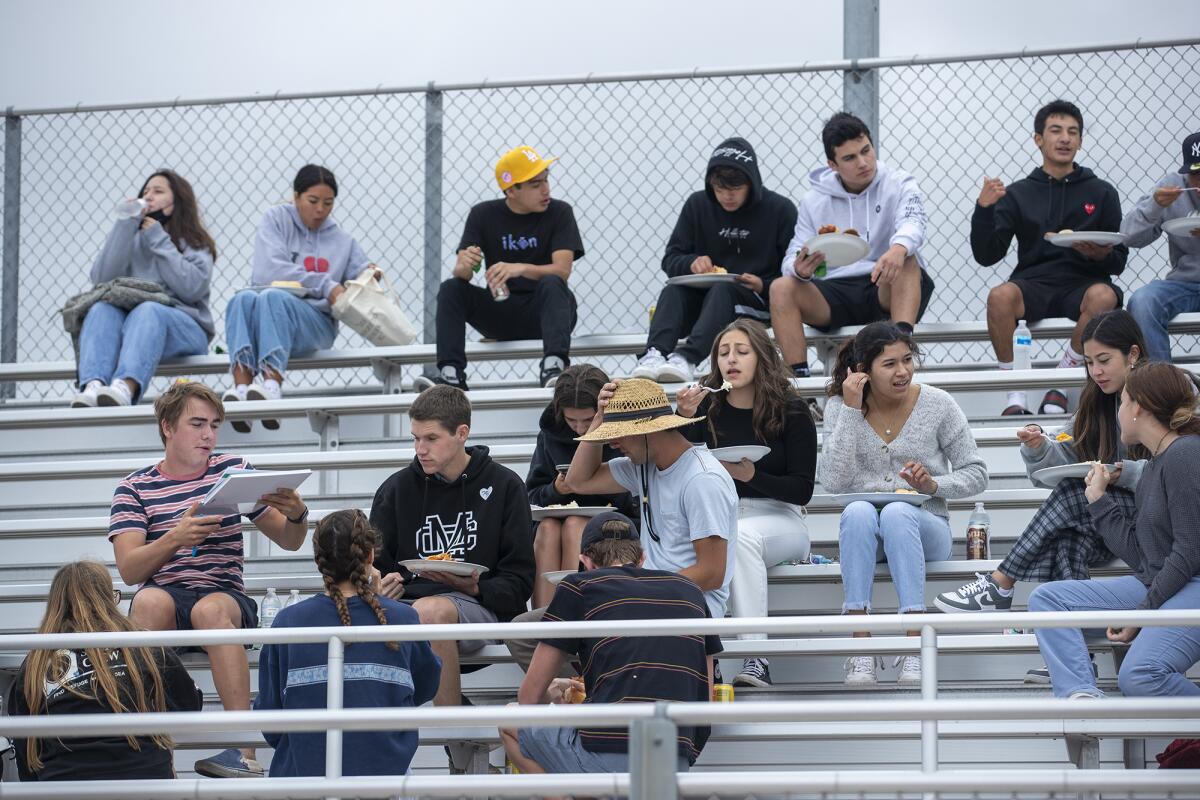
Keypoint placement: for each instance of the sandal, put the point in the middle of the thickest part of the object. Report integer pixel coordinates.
(1053, 398)
(1015, 410)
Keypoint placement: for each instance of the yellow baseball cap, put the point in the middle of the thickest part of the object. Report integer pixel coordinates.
(519, 165)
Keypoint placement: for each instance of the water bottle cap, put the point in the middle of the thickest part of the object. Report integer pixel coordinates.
(270, 590)
(979, 506)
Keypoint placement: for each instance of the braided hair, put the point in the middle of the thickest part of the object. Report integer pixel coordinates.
(342, 545)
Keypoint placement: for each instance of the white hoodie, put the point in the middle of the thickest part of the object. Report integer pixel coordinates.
(891, 210)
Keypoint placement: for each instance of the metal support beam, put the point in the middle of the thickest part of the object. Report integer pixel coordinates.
(860, 39)
(929, 692)
(653, 754)
(391, 375)
(10, 282)
(433, 215)
(335, 681)
(328, 427)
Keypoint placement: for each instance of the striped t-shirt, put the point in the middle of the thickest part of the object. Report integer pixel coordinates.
(151, 503)
(631, 669)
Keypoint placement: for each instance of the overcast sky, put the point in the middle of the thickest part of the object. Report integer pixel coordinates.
(62, 52)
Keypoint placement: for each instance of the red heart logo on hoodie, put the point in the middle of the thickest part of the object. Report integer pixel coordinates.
(1089, 208)
(322, 265)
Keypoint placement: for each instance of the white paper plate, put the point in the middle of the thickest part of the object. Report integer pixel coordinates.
(736, 453)
(540, 513)
(298, 291)
(554, 578)
(840, 249)
(1182, 226)
(1052, 475)
(703, 279)
(463, 568)
(1095, 237)
(880, 498)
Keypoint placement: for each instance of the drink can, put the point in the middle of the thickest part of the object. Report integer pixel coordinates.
(821, 271)
(653, 306)
(977, 542)
(500, 292)
(510, 768)
(722, 693)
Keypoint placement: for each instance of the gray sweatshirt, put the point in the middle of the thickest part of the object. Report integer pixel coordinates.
(854, 459)
(285, 249)
(1162, 544)
(151, 255)
(1143, 225)
(1057, 454)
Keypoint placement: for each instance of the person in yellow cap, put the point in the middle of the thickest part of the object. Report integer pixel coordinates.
(525, 244)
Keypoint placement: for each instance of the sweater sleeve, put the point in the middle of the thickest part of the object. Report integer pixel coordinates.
(1131, 474)
(1050, 454)
(1114, 262)
(383, 519)
(1183, 562)
(506, 588)
(800, 445)
(911, 220)
(837, 464)
(1143, 224)
(539, 483)
(116, 257)
(992, 230)
(804, 230)
(784, 231)
(187, 273)
(426, 669)
(968, 473)
(681, 247)
(1117, 531)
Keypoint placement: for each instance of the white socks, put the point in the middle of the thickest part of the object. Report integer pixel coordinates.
(1014, 398)
(1070, 359)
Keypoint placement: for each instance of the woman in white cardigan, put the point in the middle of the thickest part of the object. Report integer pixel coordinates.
(885, 433)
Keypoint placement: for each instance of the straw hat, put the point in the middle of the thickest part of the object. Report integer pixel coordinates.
(637, 407)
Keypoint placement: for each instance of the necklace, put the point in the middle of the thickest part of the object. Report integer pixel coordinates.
(888, 427)
(1157, 447)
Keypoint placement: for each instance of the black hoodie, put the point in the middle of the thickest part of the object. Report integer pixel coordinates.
(752, 239)
(556, 445)
(1039, 204)
(481, 517)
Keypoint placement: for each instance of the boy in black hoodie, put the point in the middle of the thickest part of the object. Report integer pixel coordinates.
(454, 499)
(1048, 281)
(736, 226)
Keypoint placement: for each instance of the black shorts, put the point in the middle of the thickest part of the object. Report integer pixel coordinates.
(186, 597)
(855, 301)
(1050, 295)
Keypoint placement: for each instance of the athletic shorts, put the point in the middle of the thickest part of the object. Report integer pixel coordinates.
(1049, 295)
(469, 612)
(855, 301)
(186, 597)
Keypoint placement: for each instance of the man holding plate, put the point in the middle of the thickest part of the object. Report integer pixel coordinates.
(455, 530)
(1068, 249)
(1172, 208)
(855, 255)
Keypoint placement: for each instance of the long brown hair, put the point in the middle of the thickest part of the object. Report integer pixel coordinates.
(863, 349)
(772, 382)
(1168, 394)
(342, 543)
(578, 386)
(81, 601)
(1096, 437)
(184, 225)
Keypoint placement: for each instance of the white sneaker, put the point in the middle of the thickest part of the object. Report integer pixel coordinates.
(87, 397)
(860, 671)
(648, 365)
(675, 370)
(267, 390)
(116, 393)
(910, 669)
(235, 395)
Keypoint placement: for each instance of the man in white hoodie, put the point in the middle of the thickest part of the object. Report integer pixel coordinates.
(887, 209)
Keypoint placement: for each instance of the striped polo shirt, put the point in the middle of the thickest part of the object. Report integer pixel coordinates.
(150, 503)
(632, 669)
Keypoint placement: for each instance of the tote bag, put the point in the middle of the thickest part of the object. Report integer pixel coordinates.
(372, 309)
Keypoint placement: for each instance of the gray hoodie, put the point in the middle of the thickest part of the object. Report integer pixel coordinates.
(151, 255)
(1143, 225)
(285, 249)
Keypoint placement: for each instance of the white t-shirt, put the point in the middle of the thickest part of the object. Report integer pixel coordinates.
(692, 499)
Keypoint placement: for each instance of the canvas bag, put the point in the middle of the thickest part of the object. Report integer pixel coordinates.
(372, 309)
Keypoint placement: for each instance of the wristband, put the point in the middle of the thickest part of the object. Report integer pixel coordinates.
(301, 519)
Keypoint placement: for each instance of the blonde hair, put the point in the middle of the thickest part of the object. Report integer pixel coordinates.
(81, 601)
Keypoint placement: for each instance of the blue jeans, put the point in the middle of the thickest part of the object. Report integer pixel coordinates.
(117, 344)
(1158, 659)
(559, 750)
(904, 535)
(1156, 304)
(263, 328)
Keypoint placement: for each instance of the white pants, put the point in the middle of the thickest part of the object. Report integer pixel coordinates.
(769, 531)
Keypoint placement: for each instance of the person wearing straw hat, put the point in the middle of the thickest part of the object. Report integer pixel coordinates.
(688, 500)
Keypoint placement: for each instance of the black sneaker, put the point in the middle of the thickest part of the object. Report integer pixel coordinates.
(981, 594)
(449, 376)
(551, 368)
(1041, 675)
(755, 672)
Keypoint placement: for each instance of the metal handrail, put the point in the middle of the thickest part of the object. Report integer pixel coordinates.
(840, 65)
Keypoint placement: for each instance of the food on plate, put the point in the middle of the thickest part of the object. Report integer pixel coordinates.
(288, 284)
(826, 229)
(907, 491)
(572, 504)
(575, 691)
(851, 232)
(440, 557)
(719, 270)
(1064, 437)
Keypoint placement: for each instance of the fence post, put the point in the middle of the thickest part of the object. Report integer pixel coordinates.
(653, 754)
(433, 214)
(860, 39)
(333, 701)
(10, 282)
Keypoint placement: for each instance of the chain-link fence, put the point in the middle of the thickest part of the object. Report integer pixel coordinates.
(630, 153)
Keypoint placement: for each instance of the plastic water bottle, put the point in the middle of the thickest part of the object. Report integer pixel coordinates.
(1022, 347)
(267, 609)
(128, 209)
(979, 546)
(293, 598)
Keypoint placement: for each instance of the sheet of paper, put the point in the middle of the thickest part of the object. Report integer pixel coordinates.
(239, 489)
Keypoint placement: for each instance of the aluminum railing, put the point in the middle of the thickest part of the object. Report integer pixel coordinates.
(650, 769)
